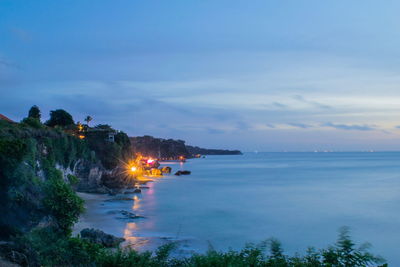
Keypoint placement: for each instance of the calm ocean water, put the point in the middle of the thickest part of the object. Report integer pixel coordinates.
(299, 198)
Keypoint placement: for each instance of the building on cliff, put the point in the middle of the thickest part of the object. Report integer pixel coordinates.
(106, 134)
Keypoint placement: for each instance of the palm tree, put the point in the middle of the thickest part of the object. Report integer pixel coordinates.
(88, 119)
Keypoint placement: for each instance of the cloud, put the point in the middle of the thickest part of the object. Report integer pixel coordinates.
(269, 125)
(299, 125)
(215, 131)
(8, 64)
(348, 127)
(279, 105)
(241, 125)
(21, 34)
(312, 103)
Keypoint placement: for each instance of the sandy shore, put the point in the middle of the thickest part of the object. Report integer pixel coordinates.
(99, 215)
(92, 201)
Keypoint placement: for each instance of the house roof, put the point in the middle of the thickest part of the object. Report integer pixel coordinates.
(4, 118)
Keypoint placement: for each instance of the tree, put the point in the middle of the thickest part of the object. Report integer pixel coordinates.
(88, 119)
(59, 117)
(34, 112)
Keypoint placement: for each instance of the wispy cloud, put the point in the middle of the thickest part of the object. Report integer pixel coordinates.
(242, 125)
(312, 103)
(279, 105)
(269, 125)
(8, 64)
(299, 125)
(349, 127)
(215, 131)
(21, 34)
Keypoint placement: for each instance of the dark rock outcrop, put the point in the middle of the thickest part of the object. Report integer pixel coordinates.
(119, 199)
(99, 237)
(126, 215)
(178, 173)
(166, 169)
(135, 191)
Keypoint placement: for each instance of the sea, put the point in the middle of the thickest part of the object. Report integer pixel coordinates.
(302, 199)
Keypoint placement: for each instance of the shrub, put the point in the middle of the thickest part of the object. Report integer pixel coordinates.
(62, 202)
(34, 112)
(32, 122)
(59, 117)
(50, 247)
(73, 180)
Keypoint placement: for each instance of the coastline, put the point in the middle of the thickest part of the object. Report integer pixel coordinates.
(101, 212)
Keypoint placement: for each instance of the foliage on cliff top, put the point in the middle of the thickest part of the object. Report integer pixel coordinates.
(60, 117)
(110, 153)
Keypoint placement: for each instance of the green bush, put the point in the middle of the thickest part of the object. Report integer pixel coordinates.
(50, 247)
(268, 254)
(73, 180)
(62, 202)
(59, 117)
(32, 122)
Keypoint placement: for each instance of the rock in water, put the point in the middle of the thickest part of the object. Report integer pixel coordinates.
(183, 173)
(155, 172)
(166, 169)
(99, 237)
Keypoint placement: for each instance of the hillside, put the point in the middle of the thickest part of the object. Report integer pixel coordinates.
(193, 150)
(172, 149)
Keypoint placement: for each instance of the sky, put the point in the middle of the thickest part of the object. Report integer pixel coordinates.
(250, 75)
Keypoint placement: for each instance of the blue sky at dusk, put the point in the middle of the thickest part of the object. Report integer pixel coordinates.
(253, 75)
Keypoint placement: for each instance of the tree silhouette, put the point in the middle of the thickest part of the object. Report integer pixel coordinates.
(34, 112)
(88, 119)
(59, 117)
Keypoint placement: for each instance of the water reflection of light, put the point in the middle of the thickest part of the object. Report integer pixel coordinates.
(134, 231)
(133, 241)
(136, 203)
(129, 229)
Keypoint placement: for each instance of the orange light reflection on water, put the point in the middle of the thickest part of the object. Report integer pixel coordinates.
(133, 232)
(132, 240)
(136, 203)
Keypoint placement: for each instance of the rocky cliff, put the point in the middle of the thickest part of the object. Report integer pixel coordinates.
(40, 170)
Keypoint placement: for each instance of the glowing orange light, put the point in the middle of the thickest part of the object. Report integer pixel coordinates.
(81, 137)
(133, 168)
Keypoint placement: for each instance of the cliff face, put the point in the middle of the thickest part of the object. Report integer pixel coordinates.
(159, 148)
(40, 170)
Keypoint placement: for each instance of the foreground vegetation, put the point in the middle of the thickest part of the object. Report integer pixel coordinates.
(49, 248)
